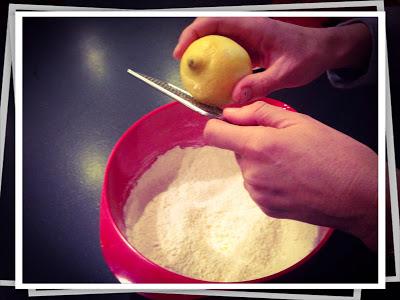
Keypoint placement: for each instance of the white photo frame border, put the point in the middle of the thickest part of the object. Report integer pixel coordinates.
(379, 5)
(381, 147)
(221, 293)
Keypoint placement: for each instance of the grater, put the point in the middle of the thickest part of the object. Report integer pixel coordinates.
(180, 95)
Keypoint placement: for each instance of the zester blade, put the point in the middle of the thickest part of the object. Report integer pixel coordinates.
(180, 95)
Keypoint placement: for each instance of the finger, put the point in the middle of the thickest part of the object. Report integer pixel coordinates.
(244, 31)
(260, 113)
(257, 85)
(240, 139)
(263, 201)
(199, 28)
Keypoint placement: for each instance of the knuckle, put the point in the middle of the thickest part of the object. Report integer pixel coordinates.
(262, 145)
(246, 146)
(187, 31)
(253, 144)
(198, 21)
(262, 111)
(269, 205)
(258, 106)
(266, 198)
(249, 148)
(250, 180)
(269, 84)
(249, 190)
(273, 150)
(249, 187)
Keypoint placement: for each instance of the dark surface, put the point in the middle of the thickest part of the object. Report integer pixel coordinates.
(9, 293)
(7, 208)
(78, 100)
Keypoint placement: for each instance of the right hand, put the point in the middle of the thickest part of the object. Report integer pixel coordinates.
(292, 55)
(295, 167)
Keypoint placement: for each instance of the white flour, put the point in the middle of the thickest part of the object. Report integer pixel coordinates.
(202, 223)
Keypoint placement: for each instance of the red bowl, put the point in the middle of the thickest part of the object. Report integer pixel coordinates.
(162, 129)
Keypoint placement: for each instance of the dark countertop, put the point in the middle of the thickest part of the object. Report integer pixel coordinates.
(78, 100)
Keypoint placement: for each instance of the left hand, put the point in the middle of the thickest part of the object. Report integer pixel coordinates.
(292, 55)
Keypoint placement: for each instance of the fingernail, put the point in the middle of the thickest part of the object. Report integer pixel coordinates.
(245, 95)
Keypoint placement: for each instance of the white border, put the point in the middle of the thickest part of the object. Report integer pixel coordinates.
(234, 294)
(356, 293)
(381, 148)
(5, 87)
(5, 90)
(291, 6)
(158, 13)
(7, 282)
(13, 7)
(394, 200)
(390, 142)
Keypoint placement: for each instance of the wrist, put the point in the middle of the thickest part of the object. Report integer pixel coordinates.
(348, 46)
(363, 193)
(365, 227)
(369, 237)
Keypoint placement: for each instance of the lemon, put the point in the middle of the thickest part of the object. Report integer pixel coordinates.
(210, 68)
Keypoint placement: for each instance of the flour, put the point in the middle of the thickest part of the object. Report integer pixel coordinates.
(190, 213)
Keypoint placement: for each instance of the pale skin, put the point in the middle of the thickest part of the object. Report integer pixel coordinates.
(294, 166)
(292, 55)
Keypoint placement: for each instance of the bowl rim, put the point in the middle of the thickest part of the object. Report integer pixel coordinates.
(105, 199)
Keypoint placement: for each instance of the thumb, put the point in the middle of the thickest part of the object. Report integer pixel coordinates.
(256, 85)
(260, 113)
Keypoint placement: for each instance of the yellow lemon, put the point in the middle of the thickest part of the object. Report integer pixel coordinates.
(210, 68)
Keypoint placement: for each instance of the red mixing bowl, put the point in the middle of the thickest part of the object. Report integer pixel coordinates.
(162, 129)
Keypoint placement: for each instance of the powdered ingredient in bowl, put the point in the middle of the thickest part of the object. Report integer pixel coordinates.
(190, 213)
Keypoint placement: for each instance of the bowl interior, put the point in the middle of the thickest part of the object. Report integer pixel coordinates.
(164, 128)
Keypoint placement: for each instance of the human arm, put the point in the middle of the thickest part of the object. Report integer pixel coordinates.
(367, 72)
(298, 168)
(292, 55)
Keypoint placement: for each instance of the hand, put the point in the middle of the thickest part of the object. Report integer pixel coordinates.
(298, 168)
(292, 55)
